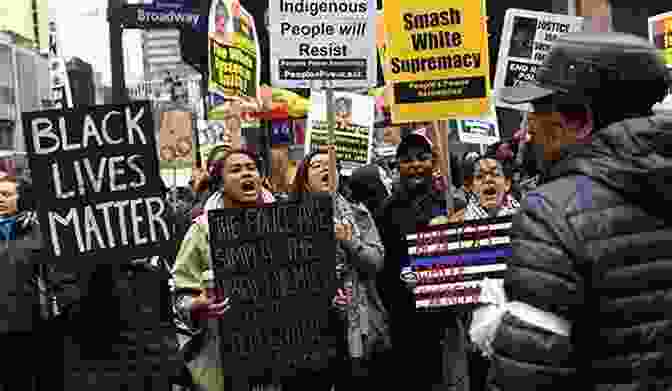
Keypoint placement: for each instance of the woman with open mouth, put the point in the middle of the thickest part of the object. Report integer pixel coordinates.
(238, 182)
(492, 182)
(360, 320)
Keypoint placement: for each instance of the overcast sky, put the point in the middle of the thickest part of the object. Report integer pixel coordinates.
(83, 32)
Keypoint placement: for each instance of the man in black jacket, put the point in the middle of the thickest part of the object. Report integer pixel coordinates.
(428, 348)
(592, 245)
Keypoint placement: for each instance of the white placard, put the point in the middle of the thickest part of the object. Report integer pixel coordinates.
(526, 40)
(354, 126)
(660, 35)
(323, 40)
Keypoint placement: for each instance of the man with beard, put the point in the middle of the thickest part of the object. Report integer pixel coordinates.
(591, 257)
(429, 347)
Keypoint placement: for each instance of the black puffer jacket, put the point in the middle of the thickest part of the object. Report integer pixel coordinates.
(22, 299)
(593, 245)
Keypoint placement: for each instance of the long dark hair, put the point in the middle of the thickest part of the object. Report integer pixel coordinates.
(216, 168)
(299, 186)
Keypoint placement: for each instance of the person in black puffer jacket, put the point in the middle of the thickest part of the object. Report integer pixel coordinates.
(111, 328)
(24, 305)
(592, 246)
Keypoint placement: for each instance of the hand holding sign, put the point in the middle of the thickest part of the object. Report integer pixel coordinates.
(343, 231)
(204, 307)
(343, 297)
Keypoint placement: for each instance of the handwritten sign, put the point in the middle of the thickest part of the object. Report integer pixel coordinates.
(97, 175)
(449, 262)
(278, 265)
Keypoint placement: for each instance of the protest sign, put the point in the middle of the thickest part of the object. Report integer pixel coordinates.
(438, 54)
(281, 132)
(483, 130)
(215, 133)
(323, 40)
(277, 264)
(233, 51)
(526, 40)
(175, 137)
(97, 175)
(381, 42)
(450, 263)
(355, 116)
(660, 34)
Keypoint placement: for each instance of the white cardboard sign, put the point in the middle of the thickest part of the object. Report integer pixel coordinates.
(323, 40)
(354, 115)
(526, 40)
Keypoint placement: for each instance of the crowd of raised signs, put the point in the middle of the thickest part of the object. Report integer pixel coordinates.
(376, 212)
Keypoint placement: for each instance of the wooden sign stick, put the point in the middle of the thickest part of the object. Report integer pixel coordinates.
(331, 124)
(440, 135)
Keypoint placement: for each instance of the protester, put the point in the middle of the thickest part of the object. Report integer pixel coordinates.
(23, 306)
(368, 187)
(591, 248)
(431, 345)
(467, 163)
(201, 185)
(491, 185)
(239, 181)
(360, 255)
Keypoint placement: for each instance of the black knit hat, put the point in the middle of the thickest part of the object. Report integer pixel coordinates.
(412, 140)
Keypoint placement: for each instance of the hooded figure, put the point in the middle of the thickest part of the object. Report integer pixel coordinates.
(367, 187)
(591, 263)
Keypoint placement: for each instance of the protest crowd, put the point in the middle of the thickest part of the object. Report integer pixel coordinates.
(542, 262)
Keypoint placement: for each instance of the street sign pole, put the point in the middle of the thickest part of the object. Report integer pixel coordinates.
(331, 124)
(119, 94)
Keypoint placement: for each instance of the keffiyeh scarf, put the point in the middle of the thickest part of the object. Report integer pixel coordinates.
(476, 212)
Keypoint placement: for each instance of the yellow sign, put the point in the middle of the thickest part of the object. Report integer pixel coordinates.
(438, 59)
(233, 50)
(381, 43)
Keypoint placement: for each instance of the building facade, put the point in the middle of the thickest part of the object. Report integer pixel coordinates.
(24, 86)
(162, 55)
(27, 21)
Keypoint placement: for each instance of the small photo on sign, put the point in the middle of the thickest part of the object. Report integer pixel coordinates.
(522, 38)
(343, 112)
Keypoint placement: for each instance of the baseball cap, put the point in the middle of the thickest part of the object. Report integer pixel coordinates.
(413, 140)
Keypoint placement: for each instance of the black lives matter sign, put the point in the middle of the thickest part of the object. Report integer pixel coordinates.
(278, 266)
(96, 173)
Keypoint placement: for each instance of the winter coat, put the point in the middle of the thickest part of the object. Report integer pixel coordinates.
(361, 258)
(23, 299)
(593, 246)
(193, 259)
(113, 326)
(431, 344)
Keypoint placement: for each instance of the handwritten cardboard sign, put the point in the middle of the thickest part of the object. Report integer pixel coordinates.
(96, 173)
(277, 264)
